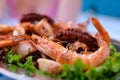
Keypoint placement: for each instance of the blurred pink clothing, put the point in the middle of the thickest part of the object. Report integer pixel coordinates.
(14, 13)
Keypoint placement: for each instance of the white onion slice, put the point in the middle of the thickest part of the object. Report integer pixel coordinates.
(49, 65)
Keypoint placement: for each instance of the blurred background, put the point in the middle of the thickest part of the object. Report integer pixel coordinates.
(107, 11)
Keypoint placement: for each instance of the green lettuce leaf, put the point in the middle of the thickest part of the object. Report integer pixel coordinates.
(109, 70)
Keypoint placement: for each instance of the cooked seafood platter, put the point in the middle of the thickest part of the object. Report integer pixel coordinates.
(38, 47)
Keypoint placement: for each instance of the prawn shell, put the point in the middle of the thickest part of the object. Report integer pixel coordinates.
(6, 29)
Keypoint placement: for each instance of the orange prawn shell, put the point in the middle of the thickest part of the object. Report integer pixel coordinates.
(98, 57)
(63, 55)
(69, 58)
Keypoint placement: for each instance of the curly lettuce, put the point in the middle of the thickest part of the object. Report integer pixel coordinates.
(109, 70)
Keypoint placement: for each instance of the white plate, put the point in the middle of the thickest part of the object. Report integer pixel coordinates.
(15, 76)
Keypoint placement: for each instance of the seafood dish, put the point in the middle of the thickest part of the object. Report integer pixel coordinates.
(62, 51)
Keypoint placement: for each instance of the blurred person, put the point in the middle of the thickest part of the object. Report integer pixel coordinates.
(68, 10)
(2, 8)
(63, 10)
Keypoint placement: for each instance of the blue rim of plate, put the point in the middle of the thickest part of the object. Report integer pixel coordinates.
(116, 44)
(8, 75)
